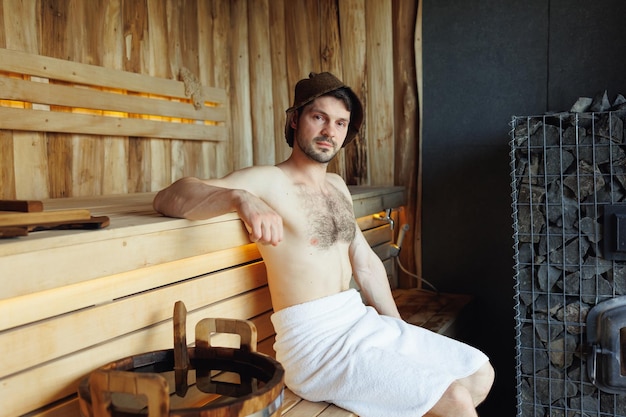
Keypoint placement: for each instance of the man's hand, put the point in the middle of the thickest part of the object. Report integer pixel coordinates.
(263, 223)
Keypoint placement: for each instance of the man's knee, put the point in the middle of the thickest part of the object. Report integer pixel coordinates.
(455, 401)
(479, 384)
(463, 395)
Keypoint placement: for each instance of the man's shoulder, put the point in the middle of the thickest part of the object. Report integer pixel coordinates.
(255, 179)
(338, 182)
(335, 179)
(260, 168)
(257, 172)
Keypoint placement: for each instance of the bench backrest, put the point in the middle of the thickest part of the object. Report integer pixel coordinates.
(44, 94)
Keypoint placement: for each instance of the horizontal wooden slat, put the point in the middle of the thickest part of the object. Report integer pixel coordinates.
(17, 311)
(431, 310)
(294, 406)
(370, 200)
(24, 206)
(74, 72)
(84, 261)
(111, 95)
(68, 333)
(58, 379)
(83, 98)
(8, 218)
(29, 308)
(305, 408)
(68, 407)
(378, 235)
(89, 124)
(132, 214)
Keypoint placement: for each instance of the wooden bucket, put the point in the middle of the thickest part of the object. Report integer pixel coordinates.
(203, 381)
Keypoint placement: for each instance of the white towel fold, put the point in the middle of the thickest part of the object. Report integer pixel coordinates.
(338, 350)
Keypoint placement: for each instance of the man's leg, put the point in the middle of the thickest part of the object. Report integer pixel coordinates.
(479, 384)
(462, 397)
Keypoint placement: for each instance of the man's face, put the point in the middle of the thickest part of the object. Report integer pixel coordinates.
(321, 128)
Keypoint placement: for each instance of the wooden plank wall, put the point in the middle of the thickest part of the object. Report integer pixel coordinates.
(256, 50)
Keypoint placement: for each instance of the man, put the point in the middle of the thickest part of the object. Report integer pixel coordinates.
(333, 347)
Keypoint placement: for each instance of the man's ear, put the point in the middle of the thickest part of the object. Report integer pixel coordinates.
(294, 120)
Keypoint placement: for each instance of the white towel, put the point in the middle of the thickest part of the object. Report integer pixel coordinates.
(336, 349)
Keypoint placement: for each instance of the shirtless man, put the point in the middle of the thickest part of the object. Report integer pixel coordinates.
(301, 217)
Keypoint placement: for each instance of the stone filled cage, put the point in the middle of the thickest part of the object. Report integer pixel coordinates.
(566, 169)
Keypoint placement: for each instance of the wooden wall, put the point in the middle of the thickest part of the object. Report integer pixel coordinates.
(257, 50)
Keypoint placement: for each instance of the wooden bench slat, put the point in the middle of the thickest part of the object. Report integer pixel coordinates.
(46, 121)
(371, 200)
(334, 411)
(84, 98)
(68, 333)
(149, 107)
(438, 312)
(294, 406)
(84, 261)
(379, 235)
(74, 72)
(306, 408)
(289, 400)
(65, 408)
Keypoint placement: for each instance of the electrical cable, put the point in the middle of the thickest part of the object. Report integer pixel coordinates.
(417, 277)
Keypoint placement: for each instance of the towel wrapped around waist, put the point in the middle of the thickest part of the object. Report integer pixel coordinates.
(338, 350)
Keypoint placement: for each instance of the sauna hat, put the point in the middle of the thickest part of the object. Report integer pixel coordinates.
(317, 85)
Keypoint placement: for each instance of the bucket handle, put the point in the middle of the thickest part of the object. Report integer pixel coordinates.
(244, 328)
(102, 383)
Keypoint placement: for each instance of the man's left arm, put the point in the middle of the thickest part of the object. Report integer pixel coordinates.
(371, 276)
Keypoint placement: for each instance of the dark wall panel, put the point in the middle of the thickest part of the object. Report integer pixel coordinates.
(587, 50)
(484, 61)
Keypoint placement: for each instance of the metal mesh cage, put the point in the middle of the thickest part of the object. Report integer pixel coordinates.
(565, 169)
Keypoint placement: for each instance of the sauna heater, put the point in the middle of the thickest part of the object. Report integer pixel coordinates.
(568, 174)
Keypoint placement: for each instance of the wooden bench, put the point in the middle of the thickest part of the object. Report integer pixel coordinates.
(42, 94)
(84, 298)
(73, 300)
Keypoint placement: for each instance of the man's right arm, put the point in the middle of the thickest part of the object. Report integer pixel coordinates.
(195, 199)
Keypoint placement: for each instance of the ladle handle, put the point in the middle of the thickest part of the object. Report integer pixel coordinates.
(181, 355)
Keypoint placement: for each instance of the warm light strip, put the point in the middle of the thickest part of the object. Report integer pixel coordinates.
(109, 113)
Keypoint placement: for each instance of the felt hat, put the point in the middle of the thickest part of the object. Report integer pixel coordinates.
(308, 89)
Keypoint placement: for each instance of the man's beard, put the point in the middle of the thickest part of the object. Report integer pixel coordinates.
(316, 155)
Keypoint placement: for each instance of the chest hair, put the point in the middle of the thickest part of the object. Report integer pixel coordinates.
(330, 217)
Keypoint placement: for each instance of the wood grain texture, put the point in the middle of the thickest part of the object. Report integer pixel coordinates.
(417, 201)
(108, 294)
(380, 81)
(254, 52)
(243, 148)
(352, 22)
(29, 148)
(281, 94)
(261, 92)
(330, 50)
(12, 218)
(406, 122)
(23, 206)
